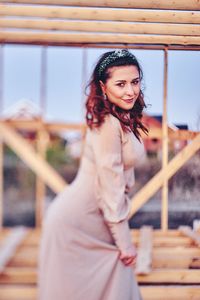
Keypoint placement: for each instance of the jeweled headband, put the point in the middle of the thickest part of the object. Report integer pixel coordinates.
(112, 57)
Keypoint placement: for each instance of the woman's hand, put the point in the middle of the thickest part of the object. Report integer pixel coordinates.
(128, 257)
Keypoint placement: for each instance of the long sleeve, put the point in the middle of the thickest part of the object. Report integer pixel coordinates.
(113, 201)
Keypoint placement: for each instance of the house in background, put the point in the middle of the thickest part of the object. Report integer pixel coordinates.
(153, 146)
(26, 110)
(180, 144)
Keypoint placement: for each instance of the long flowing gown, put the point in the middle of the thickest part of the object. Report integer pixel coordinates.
(86, 225)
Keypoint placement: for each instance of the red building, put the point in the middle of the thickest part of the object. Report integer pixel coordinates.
(154, 145)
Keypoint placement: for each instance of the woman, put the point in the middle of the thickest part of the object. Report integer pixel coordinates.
(86, 248)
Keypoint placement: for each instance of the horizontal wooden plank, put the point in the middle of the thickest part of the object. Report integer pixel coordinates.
(158, 241)
(77, 13)
(24, 292)
(44, 38)
(154, 4)
(105, 26)
(179, 276)
(170, 292)
(19, 276)
(171, 276)
(34, 233)
(148, 292)
(38, 124)
(162, 257)
(29, 259)
(59, 126)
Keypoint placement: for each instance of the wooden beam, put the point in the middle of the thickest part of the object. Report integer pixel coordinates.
(179, 276)
(42, 38)
(162, 240)
(171, 276)
(10, 244)
(32, 159)
(41, 144)
(144, 258)
(169, 242)
(58, 126)
(36, 125)
(23, 292)
(43, 81)
(132, 46)
(156, 182)
(174, 292)
(164, 212)
(153, 4)
(170, 233)
(161, 258)
(77, 13)
(99, 26)
(176, 135)
(148, 292)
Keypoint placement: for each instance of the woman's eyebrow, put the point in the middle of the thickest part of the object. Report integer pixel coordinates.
(122, 80)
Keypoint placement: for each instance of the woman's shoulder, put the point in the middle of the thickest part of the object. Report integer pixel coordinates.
(112, 122)
(110, 126)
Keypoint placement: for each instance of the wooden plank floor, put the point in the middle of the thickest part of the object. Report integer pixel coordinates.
(175, 268)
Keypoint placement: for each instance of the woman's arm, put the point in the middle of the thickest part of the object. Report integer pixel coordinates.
(113, 201)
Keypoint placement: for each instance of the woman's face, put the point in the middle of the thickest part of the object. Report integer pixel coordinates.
(123, 86)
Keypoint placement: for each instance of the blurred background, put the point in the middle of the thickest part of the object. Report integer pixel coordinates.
(60, 97)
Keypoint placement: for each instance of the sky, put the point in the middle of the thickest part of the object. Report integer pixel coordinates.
(65, 80)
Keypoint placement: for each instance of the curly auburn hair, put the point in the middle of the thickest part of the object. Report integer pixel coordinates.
(97, 107)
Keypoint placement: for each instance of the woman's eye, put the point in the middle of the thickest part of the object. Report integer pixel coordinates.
(121, 84)
(135, 82)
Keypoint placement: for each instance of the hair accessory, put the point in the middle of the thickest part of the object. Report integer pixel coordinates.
(112, 57)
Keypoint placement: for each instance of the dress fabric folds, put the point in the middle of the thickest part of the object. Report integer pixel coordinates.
(86, 225)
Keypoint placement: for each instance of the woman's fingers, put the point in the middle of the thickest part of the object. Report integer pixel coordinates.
(128, 257)
(129, 261)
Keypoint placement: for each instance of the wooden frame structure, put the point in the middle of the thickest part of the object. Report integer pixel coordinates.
(173, 261)
(144, 24)
(92, 22)
(174, 258)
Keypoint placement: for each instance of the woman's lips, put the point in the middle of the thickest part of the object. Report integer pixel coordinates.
(128, 100)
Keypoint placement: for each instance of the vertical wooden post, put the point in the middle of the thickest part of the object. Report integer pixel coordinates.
(164, 216)
(84, 73)
(42, 143)
(43, 80)
(84, 79)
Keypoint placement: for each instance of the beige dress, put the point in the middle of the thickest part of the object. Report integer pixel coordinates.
(86, 225)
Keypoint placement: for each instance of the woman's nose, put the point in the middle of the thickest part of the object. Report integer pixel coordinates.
(130, 90)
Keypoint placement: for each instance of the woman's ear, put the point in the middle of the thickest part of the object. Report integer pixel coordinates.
(102, 85)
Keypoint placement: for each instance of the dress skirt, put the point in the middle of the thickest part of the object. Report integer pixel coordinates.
(79, 257)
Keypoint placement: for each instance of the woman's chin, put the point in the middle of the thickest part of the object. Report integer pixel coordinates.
(127, 106)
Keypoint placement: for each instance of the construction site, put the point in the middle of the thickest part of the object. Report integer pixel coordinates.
(168, 261)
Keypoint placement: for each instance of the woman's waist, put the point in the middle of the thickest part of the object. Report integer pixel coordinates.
(87, 166)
